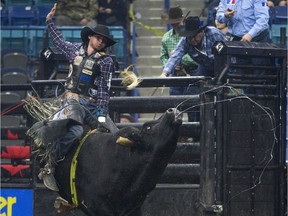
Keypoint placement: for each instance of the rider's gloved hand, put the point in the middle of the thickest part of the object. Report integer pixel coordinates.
(101, 114)
(101, 119)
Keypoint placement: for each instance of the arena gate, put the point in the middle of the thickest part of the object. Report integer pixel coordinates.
(236, 164)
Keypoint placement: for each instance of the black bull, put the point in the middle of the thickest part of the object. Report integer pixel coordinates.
(114, 179)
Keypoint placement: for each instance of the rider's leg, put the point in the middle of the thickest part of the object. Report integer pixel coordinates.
(63, 145)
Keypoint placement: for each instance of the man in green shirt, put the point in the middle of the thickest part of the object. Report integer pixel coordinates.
(187, 65)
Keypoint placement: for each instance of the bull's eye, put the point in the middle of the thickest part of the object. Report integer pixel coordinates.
(148, 127)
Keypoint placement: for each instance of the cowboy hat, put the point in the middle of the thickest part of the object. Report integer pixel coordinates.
(175, 15)
(99, 30)
(191, 27)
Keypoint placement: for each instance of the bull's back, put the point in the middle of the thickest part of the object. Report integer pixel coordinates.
(109, 164)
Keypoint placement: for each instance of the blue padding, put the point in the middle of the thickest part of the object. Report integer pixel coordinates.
(275, 33)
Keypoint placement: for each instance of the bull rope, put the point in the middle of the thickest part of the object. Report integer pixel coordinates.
(74, 167)
(13, 108)
(42, 110)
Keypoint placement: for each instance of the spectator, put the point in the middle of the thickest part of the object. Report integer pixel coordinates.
(87, 87)
(112, 13)
(186, 65)
(127, 118)
(283, 3)
(197, 42)
(76, 13)
(273, 3)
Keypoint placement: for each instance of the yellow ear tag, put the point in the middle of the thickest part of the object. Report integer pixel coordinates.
(124, 141)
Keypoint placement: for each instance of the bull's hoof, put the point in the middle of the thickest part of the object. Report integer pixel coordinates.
(62, 205)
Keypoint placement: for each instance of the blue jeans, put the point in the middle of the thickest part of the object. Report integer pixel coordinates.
(65, 143)
(75, 130)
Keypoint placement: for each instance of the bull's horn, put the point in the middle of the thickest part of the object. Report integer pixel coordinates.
(124, 141)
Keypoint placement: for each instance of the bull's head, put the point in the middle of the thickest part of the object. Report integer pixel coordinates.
(156, 132)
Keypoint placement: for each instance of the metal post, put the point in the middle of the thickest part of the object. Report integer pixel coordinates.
(166, 8)
(283, 36)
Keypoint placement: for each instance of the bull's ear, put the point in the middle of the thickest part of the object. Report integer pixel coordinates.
(124, 141)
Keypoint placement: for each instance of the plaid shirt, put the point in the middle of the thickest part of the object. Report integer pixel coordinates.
(169, 43)
(203, 57)
(71, 50)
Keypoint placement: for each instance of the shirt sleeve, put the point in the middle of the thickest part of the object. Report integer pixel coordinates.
(164, 55)
(187, 60)
(217, 35)
(261, 11)
(65, 47)
(176, 57)
(103, 82)
(222, 7)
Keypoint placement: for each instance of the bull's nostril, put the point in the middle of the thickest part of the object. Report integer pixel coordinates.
(170, 110)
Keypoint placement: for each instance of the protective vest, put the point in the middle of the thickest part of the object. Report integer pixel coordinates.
(82, 74)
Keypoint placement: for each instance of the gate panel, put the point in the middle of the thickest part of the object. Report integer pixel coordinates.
(250, 131)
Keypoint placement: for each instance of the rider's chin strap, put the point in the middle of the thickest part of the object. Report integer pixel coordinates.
(73, 170)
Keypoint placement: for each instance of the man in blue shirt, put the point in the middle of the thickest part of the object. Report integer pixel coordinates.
(246, 20)
(197, 42)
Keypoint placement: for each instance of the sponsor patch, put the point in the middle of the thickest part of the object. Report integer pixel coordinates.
(89, 64)
(88, 72)
(16, 202)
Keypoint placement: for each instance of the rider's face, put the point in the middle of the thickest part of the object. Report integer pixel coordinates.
(97, 42)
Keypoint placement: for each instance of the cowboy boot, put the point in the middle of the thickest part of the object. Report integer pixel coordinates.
(47, 175)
